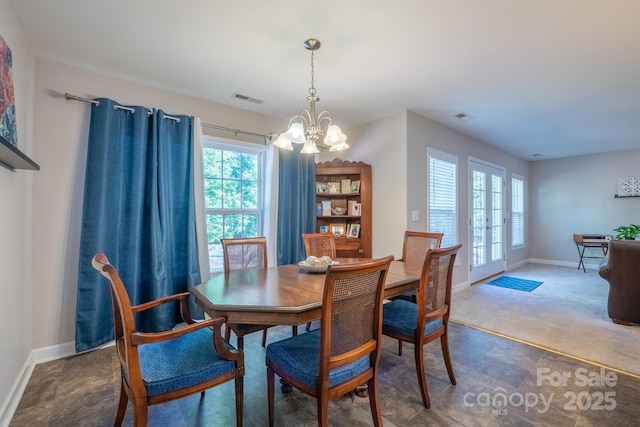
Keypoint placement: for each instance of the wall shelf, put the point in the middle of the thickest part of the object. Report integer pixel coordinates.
(12, 158)
(624, 197)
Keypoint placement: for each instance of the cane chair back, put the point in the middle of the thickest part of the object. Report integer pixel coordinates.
(244, 253)
(417, 243)
(319, 244)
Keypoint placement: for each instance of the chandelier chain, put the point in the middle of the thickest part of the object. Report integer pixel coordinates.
(312, 89)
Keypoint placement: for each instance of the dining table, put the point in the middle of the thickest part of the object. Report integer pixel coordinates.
(283, 295)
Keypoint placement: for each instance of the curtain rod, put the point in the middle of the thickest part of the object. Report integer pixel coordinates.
(69, 96)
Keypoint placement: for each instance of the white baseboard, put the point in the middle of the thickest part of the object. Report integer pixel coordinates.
(53, 352)
(12, 401)
(459, 286)
(562, 263)
(518, 264)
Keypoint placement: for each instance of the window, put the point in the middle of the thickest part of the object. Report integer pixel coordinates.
(517, 211)
(442, 195)
(233, 194)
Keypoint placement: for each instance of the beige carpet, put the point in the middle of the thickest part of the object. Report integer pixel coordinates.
(566, 314)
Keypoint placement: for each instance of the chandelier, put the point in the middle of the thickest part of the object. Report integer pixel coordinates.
(307, 128)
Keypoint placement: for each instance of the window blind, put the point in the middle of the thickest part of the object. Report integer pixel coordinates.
(442, 196)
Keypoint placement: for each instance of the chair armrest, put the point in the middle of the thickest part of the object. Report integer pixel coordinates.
(138, 338)
(181, 297)
(159, 301)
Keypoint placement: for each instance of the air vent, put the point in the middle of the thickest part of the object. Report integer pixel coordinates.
(464, 117)
(247, 98)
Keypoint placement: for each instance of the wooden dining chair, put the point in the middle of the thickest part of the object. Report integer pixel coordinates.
(344, 353)
(246, 253)
(427, 319)
(163, 366)
(417, 243)
(414, 251)
(319, 245)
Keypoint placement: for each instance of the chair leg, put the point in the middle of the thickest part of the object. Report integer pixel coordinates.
(323, 410)
(374, 401)
(240, 342)
(294, 331)
(270, 394)
(239, 400)
(422, 377)
(122, 404)
(399, 347)
(140, 414)
(444, 343)
(308, 326)
(264, 337)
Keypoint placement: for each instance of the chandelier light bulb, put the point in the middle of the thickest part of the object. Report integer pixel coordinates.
(334, 135)
(283, 142)
(309, 147)
(295, 133)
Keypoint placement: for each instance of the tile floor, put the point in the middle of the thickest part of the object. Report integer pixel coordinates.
(83, 390)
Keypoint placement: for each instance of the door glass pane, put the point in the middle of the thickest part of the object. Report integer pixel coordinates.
(496, 217)
(479, 220)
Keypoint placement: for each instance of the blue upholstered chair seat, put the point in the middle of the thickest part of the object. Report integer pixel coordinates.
(175, 364)
(298, 357)
(409, 296)
(400, 316)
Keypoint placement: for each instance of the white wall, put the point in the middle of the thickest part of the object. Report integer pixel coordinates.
(396, 147)
(424, 133)
(61, 131)
(382, 144)
(15, 223)
(576, 195)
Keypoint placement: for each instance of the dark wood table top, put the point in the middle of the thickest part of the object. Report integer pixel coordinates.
(283, 295)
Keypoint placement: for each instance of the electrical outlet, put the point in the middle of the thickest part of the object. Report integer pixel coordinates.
(415, 216)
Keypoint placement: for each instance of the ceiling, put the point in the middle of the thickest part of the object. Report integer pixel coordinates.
(552, 78)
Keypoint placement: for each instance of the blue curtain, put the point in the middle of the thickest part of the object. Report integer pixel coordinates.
(138, 208)
(296, 203)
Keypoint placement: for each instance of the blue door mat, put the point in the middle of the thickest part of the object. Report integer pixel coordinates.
(515, 283)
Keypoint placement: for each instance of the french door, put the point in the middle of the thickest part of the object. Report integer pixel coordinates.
(487, 222)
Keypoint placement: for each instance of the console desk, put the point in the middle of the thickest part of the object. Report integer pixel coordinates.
(584, 241)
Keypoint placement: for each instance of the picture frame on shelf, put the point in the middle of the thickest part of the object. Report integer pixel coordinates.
(324, 228)
(345, 186)
(355, 186)
(353, 231)
(333, 187)
(326, 208)
(338, 229)
(322, 187)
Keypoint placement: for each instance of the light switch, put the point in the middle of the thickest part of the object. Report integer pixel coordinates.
(415, 216)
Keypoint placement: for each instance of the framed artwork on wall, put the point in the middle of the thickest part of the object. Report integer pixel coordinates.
(7, 97)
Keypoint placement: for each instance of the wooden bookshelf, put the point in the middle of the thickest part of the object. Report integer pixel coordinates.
(329, 176)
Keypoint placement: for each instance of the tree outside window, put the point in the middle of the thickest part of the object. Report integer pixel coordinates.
(233, 182)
